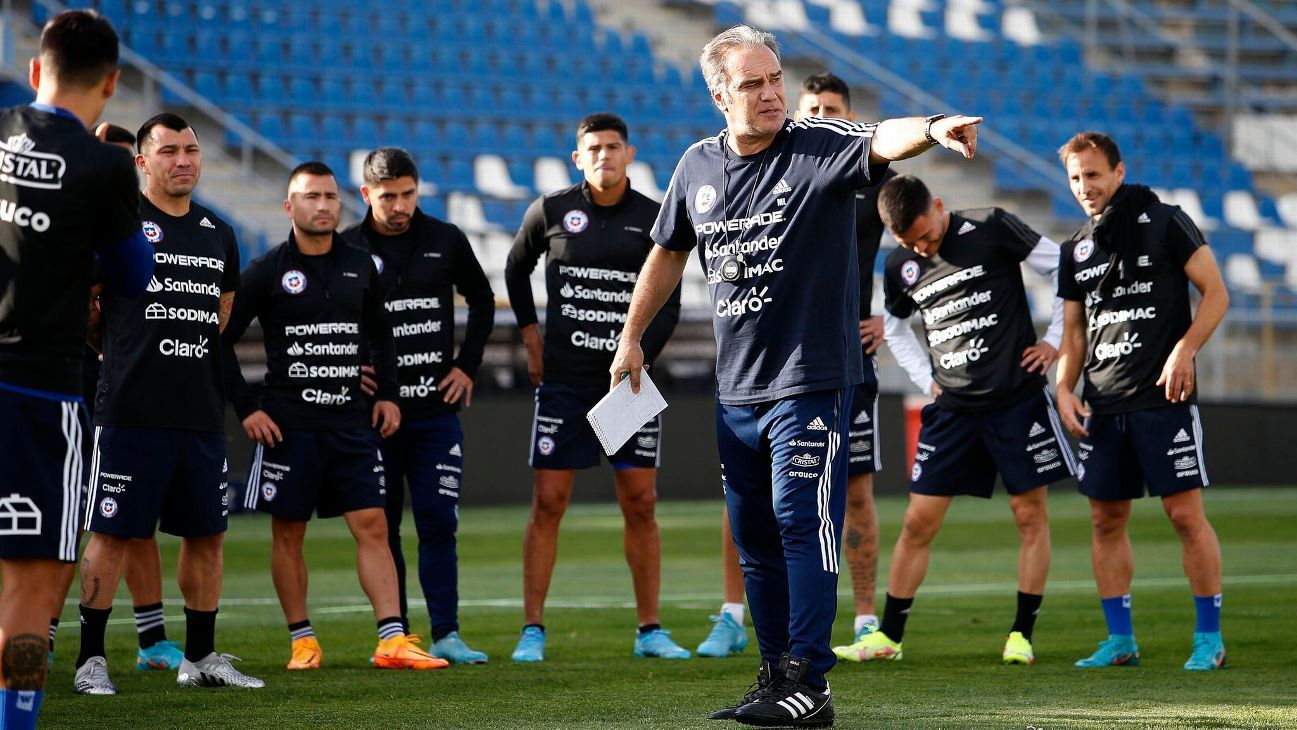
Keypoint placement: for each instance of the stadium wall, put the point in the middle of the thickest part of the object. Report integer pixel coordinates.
(1246, 443)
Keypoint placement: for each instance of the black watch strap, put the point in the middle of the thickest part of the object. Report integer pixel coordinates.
(927, 127)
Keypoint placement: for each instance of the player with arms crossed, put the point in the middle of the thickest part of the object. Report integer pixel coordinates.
(71, 201)
(594, 236)
(769, 204)
(318, 447)
(1129, 328)
(961, 271)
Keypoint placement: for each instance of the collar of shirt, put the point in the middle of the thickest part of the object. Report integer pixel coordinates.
(56, 110)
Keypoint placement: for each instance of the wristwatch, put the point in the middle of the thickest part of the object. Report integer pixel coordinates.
(927, 127)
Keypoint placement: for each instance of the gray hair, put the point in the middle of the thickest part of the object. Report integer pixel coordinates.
(712, 60)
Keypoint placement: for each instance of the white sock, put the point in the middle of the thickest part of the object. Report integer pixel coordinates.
(735, 610)
(866, 619)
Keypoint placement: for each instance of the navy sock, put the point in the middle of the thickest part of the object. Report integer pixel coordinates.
(200, 634)
(1208, 613)
(1028, 609)
(301, 630)
(54, 629)
(389, 627)
(895, 613)
(649, 627)
(1116, 611)
(20, 708)
(149, 626)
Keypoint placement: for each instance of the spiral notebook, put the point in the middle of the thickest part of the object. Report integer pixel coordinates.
(621, 413)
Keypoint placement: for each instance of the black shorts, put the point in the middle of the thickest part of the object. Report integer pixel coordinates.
(561, 437)
(1158, 447)
(40, 475)
(865, 451)
(171, 479)
(329, 473)
(961, 453)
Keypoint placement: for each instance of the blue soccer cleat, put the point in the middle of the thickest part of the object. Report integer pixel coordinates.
(531, 645)
(1208, 652)
(162, 655)
(728, 637)
(658, 643)
(1118, 651)
(453, 649)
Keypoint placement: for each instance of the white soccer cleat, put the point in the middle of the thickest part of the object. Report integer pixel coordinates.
(215, 670)
(92, 678)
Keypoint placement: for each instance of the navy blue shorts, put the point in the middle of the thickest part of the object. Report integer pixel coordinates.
(561, 437)
(40, 475)
(961, 453)
(142, 478)
(865, 451)
(329, 473)
(1158, 447)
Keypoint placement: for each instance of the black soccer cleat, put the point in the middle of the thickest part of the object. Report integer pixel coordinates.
(765, 677)
(787, 702)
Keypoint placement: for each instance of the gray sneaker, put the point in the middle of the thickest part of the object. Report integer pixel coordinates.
(214, 670)
(92, 678)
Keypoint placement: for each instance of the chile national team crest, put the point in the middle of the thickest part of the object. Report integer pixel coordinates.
(1083, 251)
(910, 272)
(152, 231)
(108, 507)
(705, 198)
(294, 281)
(575, 221)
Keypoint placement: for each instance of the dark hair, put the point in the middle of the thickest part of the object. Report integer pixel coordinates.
(165, 119)
(1091, 140)
(79, 47)
(388, 163)
(822, 82)
(313, 167)
(118, 135)
(600, 122)
(901, 201)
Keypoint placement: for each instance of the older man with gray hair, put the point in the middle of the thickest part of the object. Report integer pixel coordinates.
(770, 203)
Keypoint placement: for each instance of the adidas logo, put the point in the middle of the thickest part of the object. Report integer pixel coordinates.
(968, 226)
(1143, 218)
(862, 418)
(1181, 437)
(816, 425)
(206, 223)
(456, 451)
(1036, 430)
(781, 188)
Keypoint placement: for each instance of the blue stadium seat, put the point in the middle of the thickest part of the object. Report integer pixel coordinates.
(270, 126)
(364, 132)
(459, 175)
(238, 90)
(302, 92)
(269, 89)
(302, 129)
(208, 85)
(333, 130)
(394, 132)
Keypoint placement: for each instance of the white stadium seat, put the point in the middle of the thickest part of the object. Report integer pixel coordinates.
(465, 211)
(1018, 24)
(491, 177)
(1188, 200)
(552, 174)
(1241, 210)
(777, 14)
(904, 20)
(642, 179)
(1242, 272)
(845, 16)
(961, 20)
(1287, 205)
(1278, 245)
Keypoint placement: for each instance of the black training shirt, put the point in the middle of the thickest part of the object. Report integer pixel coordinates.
(869, 235)
(1131, 331)
(162, 362)
(315, 312)
(63, 194)
(420, 270)
(976, 318)
(594, 254)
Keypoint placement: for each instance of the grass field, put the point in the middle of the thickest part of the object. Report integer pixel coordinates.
(951, 675)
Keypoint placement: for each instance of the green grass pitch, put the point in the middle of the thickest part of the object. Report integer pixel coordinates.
(951, 675)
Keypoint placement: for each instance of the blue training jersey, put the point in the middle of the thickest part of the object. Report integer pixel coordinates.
(776, 236)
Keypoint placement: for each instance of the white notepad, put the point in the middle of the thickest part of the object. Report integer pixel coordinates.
(621, 413)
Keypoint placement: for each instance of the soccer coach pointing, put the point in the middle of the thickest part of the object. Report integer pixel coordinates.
(771, 205)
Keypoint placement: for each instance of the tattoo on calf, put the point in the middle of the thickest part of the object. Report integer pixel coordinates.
(25, 662)
(89, 585)
(853, 538)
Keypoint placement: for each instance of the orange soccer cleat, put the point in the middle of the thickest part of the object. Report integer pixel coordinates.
(306, 653)
(403, 652)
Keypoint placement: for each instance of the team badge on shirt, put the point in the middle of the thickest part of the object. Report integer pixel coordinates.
(916, 472)
(575, 221)
(269, 491)
(152, 231)
(545, 445)
(294, 281)
(108, 507)
(378, 262)
(910, 272)
(705, 198)
(1083, 251)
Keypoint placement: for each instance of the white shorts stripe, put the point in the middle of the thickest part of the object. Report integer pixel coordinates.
(71, 481)
(93, 490)
(1197, 443)
(535, 423)
(878, 443)
(823, 490)
(1064, 446)
(254, 479)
